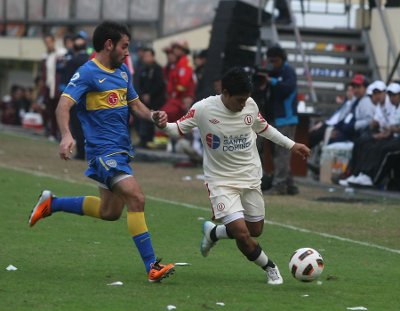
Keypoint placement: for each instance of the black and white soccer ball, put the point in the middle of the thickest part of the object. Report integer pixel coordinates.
(306, 264)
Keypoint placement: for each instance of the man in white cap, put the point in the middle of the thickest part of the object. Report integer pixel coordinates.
(367, 164)
(383, 110)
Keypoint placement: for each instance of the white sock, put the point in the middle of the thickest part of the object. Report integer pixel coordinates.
(220, 232)
(262, 260)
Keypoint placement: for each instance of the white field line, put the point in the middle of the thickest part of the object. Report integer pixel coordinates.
(191, 206)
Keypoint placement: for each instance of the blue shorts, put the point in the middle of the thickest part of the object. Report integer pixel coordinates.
(106, 167)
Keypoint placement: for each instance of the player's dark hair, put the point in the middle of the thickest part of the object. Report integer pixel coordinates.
(108, 30)
(237, 82)
(276, 51)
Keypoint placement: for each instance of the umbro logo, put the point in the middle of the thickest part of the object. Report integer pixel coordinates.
(102, 80)
(214, 121)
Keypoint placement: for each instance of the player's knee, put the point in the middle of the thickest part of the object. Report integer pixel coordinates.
(135, 202)
(110, 215)
(243, 237)
(255, 233)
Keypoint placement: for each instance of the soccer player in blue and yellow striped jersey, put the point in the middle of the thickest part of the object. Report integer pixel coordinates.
(104, 96)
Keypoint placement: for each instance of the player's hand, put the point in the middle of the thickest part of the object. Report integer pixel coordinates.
(302, 150)
(160, 118)
(67, 144)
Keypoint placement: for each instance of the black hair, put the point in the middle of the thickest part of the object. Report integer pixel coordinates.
(108, 30)
(276, 51)
(151, 50)
(68, 36)
(237, 81)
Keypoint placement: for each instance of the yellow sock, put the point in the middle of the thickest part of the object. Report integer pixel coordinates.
(91, 206)
(136, 223)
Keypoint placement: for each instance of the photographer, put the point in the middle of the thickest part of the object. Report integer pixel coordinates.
(281, 112)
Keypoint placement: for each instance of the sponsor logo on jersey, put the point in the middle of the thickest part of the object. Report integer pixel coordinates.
(189, 115)
(112, 99)
(236, 142)
(111, 163)
(213, 141)
(220, 206)
(248, 119)
(124, 76)
(102, 80)
(75, 76)
(214, 121)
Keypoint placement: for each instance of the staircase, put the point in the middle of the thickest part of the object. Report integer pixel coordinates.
(333, 57)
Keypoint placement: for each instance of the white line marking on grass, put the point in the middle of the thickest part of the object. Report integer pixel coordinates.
(331, 236)
(187, 205)
(191, 206)
(326, 235)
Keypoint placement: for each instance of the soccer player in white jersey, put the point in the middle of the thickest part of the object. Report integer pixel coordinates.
(229, 124)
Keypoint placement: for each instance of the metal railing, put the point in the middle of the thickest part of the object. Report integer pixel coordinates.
(299, 44)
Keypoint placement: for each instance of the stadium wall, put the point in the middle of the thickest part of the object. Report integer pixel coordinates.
(379, 42)
(197, 39)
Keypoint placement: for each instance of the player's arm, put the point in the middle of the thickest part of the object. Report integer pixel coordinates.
(262, 128)
(62, 113)
(158, 117)
(183, 126)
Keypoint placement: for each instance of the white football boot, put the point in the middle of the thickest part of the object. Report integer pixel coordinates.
(206, 242)
(273, 275)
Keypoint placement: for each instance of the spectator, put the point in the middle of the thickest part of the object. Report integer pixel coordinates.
(383, 109)
(152, 93)
(180, 87)
(51, 90)
(138, 64)
(284, 14)
(79, 57)
(160, 140)
(366, 163)
(37, 98)
(360, 115)
(199, 60)
(10, 107)
(282, 114)
(14, 106)
(171, 63)
(317, 132)
(376, 91)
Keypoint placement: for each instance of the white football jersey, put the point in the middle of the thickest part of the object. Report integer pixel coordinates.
(229, 139)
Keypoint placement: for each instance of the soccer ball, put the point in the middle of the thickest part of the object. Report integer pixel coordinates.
(306, 264)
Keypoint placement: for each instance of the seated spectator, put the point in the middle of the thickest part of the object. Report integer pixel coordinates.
(317, 132)
(379, 125)
(361, 113)
(13, 106)
(369, 156)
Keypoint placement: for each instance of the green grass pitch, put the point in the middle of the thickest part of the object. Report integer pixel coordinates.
(65, 262)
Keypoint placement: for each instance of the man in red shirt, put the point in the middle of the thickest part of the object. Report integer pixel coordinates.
(180, 84)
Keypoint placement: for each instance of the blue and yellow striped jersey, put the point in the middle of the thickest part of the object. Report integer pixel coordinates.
(102, 96)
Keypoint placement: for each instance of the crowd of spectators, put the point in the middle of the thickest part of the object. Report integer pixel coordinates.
(369, 118)
(173, 87)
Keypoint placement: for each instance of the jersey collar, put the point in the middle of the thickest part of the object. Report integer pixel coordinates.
(102, 67)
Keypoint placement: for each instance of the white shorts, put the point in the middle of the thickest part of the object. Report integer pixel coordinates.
(229, 200)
